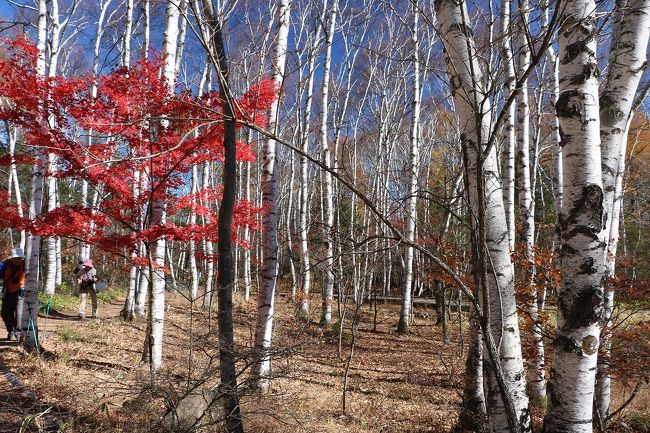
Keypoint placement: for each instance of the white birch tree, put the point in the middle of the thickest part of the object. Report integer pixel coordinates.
(627, 62)
(581, 225)
(328, 217)
(487, 218)
(414, 171)
(266, 299)
(28, 306)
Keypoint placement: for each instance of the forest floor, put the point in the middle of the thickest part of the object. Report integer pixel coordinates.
(90, 379)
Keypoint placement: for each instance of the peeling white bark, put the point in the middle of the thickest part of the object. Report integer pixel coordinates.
(581, 224)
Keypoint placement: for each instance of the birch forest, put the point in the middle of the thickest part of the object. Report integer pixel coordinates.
(323, 216)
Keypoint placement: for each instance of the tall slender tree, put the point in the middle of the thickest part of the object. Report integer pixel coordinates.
(414, 172)
(266, 299)
(507, 403)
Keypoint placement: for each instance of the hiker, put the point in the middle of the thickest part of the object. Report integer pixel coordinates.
(86, 278)
(12, 271)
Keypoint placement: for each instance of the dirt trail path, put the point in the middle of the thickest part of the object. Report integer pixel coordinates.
(19, 405)
(57, 320)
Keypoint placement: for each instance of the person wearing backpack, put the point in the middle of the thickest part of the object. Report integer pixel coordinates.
(86, 278)
(12, 271)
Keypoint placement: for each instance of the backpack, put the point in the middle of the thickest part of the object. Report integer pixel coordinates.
(14, 274)
(87, 280)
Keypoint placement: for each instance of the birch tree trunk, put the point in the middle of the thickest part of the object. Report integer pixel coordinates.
(182, 31)
(28, 306)
(51, 243)
(266, 298)
(129, 303)
(472, 416)
(535, 371)
(194, 271)
(128, 29)
(581, 226)
(487, 207)
(248, 281)
(146, 6)
(627, 62)
(158, 211)
(14, 185)
(304, 181)
(328, 222)
(509, 135)
(411, 203)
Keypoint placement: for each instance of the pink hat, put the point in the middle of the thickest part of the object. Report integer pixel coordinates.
(88, 263)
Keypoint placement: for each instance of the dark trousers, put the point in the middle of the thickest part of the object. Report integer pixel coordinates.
(9, 311)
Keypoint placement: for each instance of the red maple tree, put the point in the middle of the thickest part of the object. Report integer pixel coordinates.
(134, 126)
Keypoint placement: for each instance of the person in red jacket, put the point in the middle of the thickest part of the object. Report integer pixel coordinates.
(12, 271)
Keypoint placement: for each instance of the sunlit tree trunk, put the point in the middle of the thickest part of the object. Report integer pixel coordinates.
(158, 207)
(248, 282)
(146, 44)
(14, 185)
(51, 243)
(182, 32)
(28, 306)
(627, 61)
(208, 246)
(509, 133)
(328, 221)
(128, 30)
(535, 371)
(488, 218)
(129, 303)
(194, 270)
(304, 179)
(411, 201)
(581, 224)
(266, 298)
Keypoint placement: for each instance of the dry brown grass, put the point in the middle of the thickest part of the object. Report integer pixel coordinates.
(397, 383)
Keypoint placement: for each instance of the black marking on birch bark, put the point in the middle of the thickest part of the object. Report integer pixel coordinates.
(577, 48)
(609, 112)
(641, 68)
(585, 309)
(461, 28)
(588, 267)
(587, 216)
(590, 70)
(524, 419)
(455, 82)
(566, 106)
(626, 47)
(567, 344)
